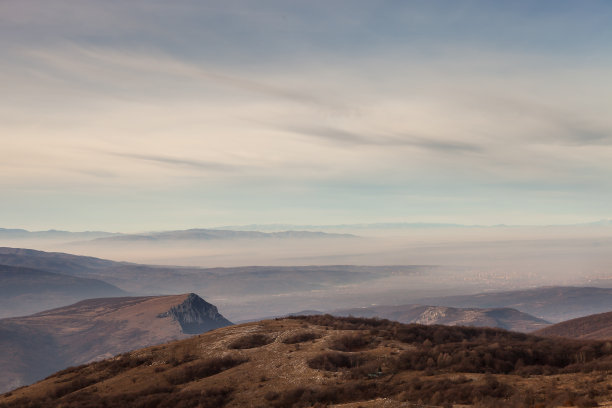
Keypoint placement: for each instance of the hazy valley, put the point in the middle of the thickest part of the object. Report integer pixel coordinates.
(449, 292)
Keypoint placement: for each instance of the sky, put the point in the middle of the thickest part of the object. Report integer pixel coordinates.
(139, 115)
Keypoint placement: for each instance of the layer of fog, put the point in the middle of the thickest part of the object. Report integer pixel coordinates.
(467, 260)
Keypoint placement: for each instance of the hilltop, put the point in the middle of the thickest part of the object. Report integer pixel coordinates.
(322, 361)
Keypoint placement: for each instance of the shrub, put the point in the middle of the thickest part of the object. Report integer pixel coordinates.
(203, 368)
(251, 341)
(301, 337)
(351, 342)
(334, 361)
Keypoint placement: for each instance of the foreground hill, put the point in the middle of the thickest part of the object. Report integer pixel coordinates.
(322, 361)
(595, 327)
(32, 347)
(27, 290)
(555, 303)
(503, 318)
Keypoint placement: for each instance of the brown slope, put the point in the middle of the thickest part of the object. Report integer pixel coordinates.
(503, 318)
(32, 347)
(321, 360)
(594, 327)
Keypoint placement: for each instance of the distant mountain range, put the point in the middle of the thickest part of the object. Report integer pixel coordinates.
(26, 290)
(195, 234)
(35, 346)
(12, 233)
(212, 234)
(393, 225)
(264, 230)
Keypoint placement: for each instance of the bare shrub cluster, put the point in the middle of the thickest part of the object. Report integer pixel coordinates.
(251, 341)
(202, 369)
(301, 337)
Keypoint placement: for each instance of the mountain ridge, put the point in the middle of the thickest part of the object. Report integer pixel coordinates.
(219, 234)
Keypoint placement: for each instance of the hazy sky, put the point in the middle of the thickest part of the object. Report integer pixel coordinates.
(141, 115)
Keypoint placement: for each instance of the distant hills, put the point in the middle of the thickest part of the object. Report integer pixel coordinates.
(255, 291)
(394, 225)
(269, 288)
(256, 231)
(26, 290)
(16, 233)
(194, 234)
(504, 318)
(593, 327)
(33, 347)
(555, 303)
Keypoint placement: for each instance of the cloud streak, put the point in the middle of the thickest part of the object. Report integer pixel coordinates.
(86, 62)
(345, 137)
(181, 162)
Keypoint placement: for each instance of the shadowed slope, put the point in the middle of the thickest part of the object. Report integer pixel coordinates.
(27, 290)
(595, 327)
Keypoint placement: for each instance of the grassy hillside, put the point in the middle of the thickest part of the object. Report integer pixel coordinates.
(322, 361)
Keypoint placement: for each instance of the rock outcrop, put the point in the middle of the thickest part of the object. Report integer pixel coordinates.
(195, 315)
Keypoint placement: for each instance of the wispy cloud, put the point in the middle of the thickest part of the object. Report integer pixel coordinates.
(103, 64)
(177, 161)
(346, 137)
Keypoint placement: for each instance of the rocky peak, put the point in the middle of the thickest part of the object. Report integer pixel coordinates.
(195, 315)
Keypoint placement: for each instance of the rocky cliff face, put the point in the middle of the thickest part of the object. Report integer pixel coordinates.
(195, 315)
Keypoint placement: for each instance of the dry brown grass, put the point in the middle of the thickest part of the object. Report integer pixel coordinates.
(381, 363)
